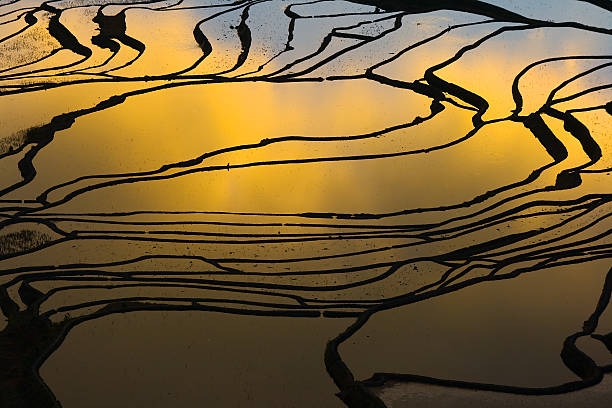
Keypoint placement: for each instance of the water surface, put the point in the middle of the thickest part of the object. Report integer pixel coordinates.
(265, 203)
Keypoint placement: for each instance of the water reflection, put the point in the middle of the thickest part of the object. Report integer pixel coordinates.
(329, 167)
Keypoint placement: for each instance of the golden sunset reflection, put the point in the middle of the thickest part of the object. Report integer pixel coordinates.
(272, 201)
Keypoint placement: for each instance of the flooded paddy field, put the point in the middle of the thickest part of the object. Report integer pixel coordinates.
(275, 203)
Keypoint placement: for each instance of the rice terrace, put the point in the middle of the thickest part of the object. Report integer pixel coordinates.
(326, 203)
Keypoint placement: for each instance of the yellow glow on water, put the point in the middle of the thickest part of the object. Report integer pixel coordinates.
(303, 193)
(183, 122)
(172, 131)
(490, 70)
